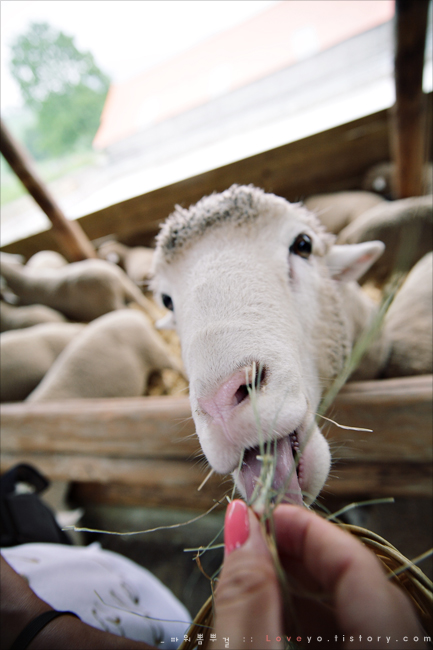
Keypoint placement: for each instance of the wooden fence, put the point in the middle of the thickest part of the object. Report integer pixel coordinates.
(144, 451)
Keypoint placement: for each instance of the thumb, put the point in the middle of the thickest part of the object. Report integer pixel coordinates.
(247, 598)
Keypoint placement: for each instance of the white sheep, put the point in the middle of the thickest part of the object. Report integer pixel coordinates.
(337, 209)
(136, 261)
(252, 281)
(113, 357)
(408, 324)
(14, 317)
(14, 258)
(47, 260)
(5, 292)
(27, 354)
(82, 291)
(405, 227)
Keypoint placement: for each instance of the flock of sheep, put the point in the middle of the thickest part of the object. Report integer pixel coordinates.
(87, 329)
(68, 331)
(266, 300)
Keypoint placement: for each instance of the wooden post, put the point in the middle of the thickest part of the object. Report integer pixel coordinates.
(72, 240)
(408, 124)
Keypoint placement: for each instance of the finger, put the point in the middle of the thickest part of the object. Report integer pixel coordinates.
(247, 598)
(365, 602)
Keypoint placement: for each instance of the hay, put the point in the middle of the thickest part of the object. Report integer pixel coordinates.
(402, 572)
(399, 569)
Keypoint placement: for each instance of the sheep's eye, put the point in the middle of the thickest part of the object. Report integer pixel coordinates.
(302, 246)
(167, 302)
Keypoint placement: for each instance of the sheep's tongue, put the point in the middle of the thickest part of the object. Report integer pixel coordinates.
(252, 466)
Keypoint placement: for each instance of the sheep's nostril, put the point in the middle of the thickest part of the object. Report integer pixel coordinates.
(240, 395)
(233, 391)
(244, 390)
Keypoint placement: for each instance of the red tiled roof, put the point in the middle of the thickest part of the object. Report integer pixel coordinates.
(270, 41)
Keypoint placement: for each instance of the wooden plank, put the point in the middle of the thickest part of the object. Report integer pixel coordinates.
(155, 482)
(184, 497)
(293, 171)
(71, 239)
(351, 480)
(398, 410)
(149, 427)
(333, 160)
(409, 116)
(141, 451)
(375, 480)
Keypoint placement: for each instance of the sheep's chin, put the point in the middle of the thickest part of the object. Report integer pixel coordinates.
(286, 477)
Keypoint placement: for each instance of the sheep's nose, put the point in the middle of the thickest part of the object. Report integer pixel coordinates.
(232, 392)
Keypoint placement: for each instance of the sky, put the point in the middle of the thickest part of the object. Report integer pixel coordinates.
(125, 36)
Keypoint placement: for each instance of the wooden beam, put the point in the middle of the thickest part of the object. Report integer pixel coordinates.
(148, 444)
(377, 480)
(135, 428)
(398, 410)
(351, 480)
(409, 118)
(330, 161)
(71, 239)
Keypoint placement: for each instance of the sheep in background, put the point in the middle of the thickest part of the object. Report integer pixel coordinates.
(27, 354)
(13, 317)
(405, 227)
(5, 293)
(136, 261)
(408, 324)
(14, 258)
(261, 297)
(113, 357)
(381, 178)
(47, 260)
(337, 209)
(82, 291)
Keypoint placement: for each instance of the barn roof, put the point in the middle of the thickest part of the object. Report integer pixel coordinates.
(271, 41)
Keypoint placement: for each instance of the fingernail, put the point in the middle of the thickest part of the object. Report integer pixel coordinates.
(236, 526)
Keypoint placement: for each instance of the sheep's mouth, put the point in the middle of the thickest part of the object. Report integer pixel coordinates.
(286, 468)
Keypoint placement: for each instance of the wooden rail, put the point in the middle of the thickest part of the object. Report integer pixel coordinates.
(333, 160)
(144, 451)
(409, 126)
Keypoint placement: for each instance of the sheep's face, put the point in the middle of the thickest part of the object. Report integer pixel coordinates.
(256, 309)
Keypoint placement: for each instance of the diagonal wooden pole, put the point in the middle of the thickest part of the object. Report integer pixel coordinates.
(408, 126)
(71, 239)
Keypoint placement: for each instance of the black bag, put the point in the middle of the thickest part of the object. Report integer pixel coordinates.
(24, 517)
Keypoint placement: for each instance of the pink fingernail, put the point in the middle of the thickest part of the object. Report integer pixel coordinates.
(236, 526)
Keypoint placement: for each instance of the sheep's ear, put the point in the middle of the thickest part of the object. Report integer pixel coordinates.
(167, 322)
(350, 261)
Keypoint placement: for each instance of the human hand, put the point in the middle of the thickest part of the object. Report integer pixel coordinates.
(19, 605)
(351, 603)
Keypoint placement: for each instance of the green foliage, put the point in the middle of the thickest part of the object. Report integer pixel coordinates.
(11, 188)
(63, 86)
(49, 170)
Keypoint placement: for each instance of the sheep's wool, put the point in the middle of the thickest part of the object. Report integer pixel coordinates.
(239, 204)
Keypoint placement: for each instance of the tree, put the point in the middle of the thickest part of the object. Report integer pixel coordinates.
(63, 86)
